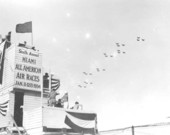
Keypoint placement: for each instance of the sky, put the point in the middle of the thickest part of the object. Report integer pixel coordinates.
(75, 36)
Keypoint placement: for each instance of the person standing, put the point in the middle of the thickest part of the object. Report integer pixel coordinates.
(76, 106)
(52, 98)
(59, 104)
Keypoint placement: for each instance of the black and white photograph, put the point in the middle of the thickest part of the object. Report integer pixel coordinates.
(84, 67)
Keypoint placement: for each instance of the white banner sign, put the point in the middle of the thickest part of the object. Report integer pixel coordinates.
(28, 69)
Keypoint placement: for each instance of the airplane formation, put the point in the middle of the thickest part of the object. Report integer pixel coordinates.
(120, 50)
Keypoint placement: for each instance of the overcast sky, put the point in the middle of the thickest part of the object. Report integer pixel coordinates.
(131, 87)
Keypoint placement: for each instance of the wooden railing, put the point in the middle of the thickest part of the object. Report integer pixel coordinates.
(16, 126)
(12, 118)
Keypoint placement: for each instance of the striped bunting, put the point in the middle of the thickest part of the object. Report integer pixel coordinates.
(83, 116)
(55, 83)
(81, 122)
(4, 108)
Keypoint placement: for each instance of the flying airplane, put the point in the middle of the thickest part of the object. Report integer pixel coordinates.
(105, 55)
(80, 86)
(85, 73)
(97, 69)
(85, 82)
(118, 51)
(117, 44)
(138, 38)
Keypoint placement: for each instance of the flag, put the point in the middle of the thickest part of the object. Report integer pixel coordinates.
(81, 122)
(24, 27)
(50, 83)
(4, 108)
(55, 83)
(46, 89)
(3, 47)
(8, 37)
(65, 98)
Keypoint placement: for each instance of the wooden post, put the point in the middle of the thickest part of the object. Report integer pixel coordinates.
(133, 131)
(32, 41)
(42, 92)
(12, 118)
(32, 38)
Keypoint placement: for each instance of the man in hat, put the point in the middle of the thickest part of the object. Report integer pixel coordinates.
(52, 98)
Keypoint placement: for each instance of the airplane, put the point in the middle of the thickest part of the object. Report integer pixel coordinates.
(97, 69)
(85, 73)
(118, 51)
(117, 44)
(105, 54)
(85, 82)
(80, 86)
(138, 38)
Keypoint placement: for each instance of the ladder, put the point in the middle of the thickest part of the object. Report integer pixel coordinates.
(16, 128)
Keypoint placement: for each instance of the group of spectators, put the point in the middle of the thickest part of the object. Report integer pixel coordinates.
(77, 106)
(60, 103)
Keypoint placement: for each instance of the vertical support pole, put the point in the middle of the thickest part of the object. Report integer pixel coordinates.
(32, 33)
(95, 129)
(50, 77)
(32, 38)
(133, 131)
(12, 118)
(42, 93)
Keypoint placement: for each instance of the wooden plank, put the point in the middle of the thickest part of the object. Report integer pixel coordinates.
(32, 119)
(11, 104)
(32, 100)
(35, 131)
(8, 77)
(54, 117)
